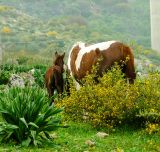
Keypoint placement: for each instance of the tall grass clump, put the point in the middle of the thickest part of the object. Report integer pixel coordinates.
(113, 101)
(27, 117)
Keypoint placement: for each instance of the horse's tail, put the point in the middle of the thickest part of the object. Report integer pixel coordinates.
(130, 69)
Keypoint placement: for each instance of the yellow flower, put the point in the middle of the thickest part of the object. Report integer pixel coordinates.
(152, 110)
(6, 30)
(119, 150)
(52, 33)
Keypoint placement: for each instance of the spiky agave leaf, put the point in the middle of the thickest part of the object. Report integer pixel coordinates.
(26, 114)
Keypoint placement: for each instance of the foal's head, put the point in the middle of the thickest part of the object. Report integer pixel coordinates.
(59, 60)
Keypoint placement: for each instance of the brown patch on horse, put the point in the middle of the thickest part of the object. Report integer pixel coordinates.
(113, 52)
(54, 76)
(120, 53)
(87, 64)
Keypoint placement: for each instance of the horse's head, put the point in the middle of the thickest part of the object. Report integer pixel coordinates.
(59, 60)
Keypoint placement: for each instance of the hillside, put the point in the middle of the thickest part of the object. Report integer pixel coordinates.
(41, 26)
(91, 20)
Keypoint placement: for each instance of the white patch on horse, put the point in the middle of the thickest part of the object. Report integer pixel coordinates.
(101, 46)
(81, 45)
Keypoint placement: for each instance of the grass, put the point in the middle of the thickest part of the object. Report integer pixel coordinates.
(72, 139)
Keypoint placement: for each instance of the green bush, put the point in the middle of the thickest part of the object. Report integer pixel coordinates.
(4, 77)
(15, 68)
(39, 76)
(7, 67)
(113, 101)
(27, 116)
(22, 60)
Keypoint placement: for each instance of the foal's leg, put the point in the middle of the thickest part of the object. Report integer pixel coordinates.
(59, 82)
(49, 83)
(50, 90)
(59, 87)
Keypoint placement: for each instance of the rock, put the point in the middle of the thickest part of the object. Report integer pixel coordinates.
(90, 143)
(16, 81)
(102, 134)
(54, 136)
(32, 71)
(28, 79)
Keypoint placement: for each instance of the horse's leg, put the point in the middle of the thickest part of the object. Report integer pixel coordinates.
(130, 71)
(59, 82)
(50, 90)
(129, 67)
(59, 86)
(67, 84)
(49, 84)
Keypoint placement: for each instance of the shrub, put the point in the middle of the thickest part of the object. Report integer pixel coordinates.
(113, 101)
(4, 76)
(39, 77)
(152, 128)
(7, 67)
(22, 60)
(15, 68)
(22, 68)
(148, 101)
(27, 116)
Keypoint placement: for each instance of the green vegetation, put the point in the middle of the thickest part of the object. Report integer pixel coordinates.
(25, 28)
(73, 138)
(8, 69)
(4, 77)
(61, 23)
(27, 117)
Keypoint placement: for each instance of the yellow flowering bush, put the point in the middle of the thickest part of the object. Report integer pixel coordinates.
(4, 8)
(52, 33)
(6, 30)
(113, 101)
(152, 128)
(148, 102)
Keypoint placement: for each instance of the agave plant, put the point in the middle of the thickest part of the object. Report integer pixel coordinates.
(27, 116)
(39, 76)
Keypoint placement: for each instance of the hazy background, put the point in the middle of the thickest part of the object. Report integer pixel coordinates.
(39, 25)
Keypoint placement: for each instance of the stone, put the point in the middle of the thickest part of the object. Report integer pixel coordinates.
(28, 78)
(102, 134)
(16, 81)
(90, 143)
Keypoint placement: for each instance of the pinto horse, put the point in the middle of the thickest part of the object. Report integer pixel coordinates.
(82, 57)
(54, 76)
